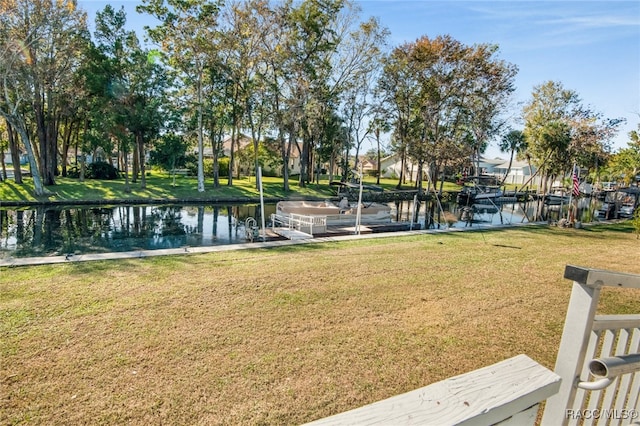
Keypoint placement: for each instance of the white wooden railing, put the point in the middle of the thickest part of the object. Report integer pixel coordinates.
(301, 223)
(508, 393)
(597, 358)
(596, 379)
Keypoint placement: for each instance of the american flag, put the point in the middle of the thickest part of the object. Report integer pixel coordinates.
(576, 182)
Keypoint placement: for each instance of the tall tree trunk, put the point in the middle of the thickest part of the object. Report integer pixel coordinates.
(216, 137)
(234, 131)
(135, 166)
(200, 135)
(35, 172)
(141, 157)
(256, 135)
(285, 149)
(332, 166)
(15, 153)
(304, 163)
(403, 159)
(125, 164)
(419, 177)
(378, 155)
(51, 140)
(504, 179)
(3, 175)
(41, 136)
(45, 129)
(66, 144)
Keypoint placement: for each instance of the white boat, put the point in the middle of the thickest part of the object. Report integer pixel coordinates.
(343, 213)
(483, 194)
(621, 203)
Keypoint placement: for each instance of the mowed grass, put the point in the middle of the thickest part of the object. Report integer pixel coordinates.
(161, 186)
(287, 335)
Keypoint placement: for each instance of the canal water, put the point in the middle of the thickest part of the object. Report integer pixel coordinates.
(54, 231)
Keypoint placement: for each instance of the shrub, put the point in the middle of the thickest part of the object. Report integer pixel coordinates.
(223, 167)
(73, 172)
(101, 170)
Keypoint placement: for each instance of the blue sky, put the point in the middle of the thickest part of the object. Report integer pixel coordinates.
(591, 47)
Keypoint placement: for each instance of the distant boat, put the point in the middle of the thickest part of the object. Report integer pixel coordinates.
(354, 188)
(483, 194)
(620, 203)
(557, 197)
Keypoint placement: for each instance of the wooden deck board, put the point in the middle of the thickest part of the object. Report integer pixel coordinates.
(292, 234)
(485, 396)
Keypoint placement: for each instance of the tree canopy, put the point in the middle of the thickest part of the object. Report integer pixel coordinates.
(312, 79)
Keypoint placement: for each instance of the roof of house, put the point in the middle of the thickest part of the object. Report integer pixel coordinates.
(243, 142)
(516, 164)
(492, 161)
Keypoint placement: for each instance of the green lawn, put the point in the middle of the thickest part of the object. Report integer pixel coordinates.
(160, 185)
(288, 334)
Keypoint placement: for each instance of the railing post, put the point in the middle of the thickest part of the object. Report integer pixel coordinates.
(575, 338)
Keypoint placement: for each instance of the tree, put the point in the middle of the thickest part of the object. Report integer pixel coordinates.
(560, 131)
(490, 85)
(147, 104)
(186, 33)
(398, 89)
(115, 49)
(356, 67)
(242, 59)
(297, 48)
(4, 145)
(513, 142)
(311, 40)
(170, 152)
(39, 42)
(379, 125)
(626, 162)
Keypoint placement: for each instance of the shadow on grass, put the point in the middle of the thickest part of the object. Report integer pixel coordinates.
(625, 227)
(19, 191)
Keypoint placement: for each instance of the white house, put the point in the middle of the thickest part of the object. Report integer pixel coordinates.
(392, 167)
(488, 165)
(519, 173)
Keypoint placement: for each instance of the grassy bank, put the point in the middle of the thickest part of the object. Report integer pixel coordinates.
(161, 186)
(158, 186)
(287, 335)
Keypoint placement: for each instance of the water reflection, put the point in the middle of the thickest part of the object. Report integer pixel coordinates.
(442, 214)
(47, 231)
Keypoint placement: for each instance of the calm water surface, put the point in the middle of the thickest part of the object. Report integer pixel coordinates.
(51, 231)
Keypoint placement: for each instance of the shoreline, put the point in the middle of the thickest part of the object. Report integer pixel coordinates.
(136, 201)
(141, 254)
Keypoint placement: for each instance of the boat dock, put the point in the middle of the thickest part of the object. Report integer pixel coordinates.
(299, 227)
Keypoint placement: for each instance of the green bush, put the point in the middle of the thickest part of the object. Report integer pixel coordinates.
(73, 172)
(101, 170)
(223, 167)
(270, 173)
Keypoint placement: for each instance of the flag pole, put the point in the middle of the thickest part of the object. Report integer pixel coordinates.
(573, 172)
(575, 191)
